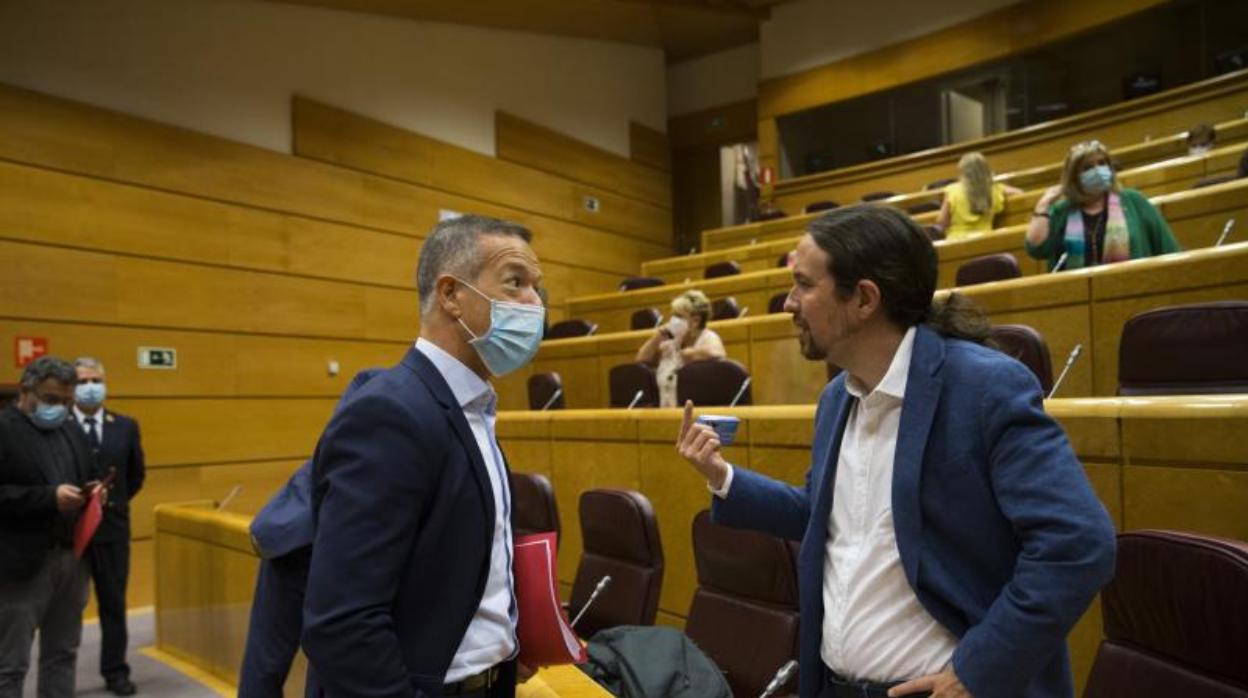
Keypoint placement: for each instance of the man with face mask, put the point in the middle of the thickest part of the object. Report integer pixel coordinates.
(114, 439)
(950, 538)
(410, 588)
(46, 474)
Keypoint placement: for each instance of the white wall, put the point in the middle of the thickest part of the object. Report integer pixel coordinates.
(713, 81)
(809, 33)
(229, 68)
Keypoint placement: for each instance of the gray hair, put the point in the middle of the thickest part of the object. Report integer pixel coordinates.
(452, 248)
(45, 367)
(89, 362)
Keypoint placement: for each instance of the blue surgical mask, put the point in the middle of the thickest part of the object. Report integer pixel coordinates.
(49, 417)
(1097, 180)
(514, 335)
(90, 395)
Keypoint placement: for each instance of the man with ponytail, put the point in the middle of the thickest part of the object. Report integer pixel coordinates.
(950, 539)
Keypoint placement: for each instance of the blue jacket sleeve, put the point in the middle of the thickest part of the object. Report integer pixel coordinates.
(377, 471)
(1067, 539)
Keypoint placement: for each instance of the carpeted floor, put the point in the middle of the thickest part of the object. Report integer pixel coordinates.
(152, 677)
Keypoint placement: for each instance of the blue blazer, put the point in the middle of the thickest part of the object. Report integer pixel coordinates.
(285, 523)
(1000, 534)
(404, 516)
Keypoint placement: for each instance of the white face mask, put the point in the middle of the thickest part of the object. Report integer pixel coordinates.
(678, 326)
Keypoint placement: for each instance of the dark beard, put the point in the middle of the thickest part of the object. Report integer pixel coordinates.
(810, 350)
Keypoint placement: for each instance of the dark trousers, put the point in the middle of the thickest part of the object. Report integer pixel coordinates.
(276, 624)
(110, 570)
(505, 687)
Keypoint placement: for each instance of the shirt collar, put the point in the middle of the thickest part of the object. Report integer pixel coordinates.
(894, 381)
(82, 416)
(467, 387)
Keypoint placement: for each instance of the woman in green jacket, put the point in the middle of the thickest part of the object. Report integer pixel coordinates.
(1092, 220)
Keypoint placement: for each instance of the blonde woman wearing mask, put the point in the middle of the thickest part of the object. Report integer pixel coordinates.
(1091, 220)
(684, 338)
(972, 201)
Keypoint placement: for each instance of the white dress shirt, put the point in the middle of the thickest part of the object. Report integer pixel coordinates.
(82, 418)
(491, 635)
(874, 628)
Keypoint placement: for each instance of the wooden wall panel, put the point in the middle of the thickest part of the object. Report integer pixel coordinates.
(532, 145)
(41, 282)
(649, 147)
(210, 364)
(332, 135)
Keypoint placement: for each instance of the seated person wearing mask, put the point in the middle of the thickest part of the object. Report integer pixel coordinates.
(1201, 138)
(683, 339)
(1092, 220)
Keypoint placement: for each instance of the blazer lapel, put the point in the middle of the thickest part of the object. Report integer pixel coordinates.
(428, 373)
(825, 457)
(918, 409)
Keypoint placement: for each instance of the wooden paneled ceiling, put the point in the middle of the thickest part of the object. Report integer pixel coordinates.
(682, 28)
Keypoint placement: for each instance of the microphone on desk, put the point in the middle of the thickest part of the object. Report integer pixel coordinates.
(229, 497)
(1061, 262)
(780, 679)
(551, 401)
(744, 384)
(636, 399)
(1226, 232)
(1070, 361)
(602, 585)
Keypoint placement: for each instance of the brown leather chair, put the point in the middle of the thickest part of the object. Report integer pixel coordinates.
(773, 214)
(725, 309)
(620, 537)
(571, 328)
(993, 267)
(726, 268)
(543, 387)
(711, 383)
(744, 613)
(925, 207)
(878, 195)
(1175, 619)
(776, 303)
(626, 379)
(533, 506)
(633, 283)
(1185, 350)
(645, 319)
(940, 183)
(1028, 346)
(817, 206)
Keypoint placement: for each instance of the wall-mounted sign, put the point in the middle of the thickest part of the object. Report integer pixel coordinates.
(164, 358)
(27, 349)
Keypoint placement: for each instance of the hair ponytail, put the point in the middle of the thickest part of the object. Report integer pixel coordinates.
(959, 317)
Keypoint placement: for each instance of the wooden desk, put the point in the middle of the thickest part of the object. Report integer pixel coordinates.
(566, 681)
(1170, 177)
(1087, 306)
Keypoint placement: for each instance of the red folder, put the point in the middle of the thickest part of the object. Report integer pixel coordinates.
(88, 522)
(546, 638)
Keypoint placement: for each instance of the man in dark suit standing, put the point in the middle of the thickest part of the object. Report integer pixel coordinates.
(46, 474)
(282, 535)
(114, 438)
(950, 538)
(410, 590)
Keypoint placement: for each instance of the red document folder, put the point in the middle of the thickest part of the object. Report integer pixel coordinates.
(546, 638)
(88, 522)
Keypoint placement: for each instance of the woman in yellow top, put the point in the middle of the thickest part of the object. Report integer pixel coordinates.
(973, 200)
